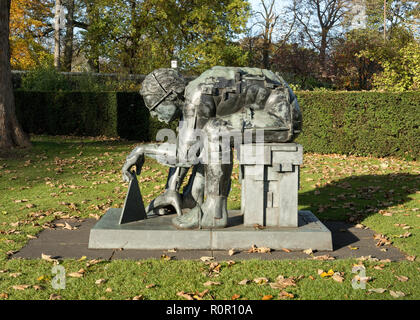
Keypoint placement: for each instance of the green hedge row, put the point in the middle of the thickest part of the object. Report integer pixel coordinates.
(362, 123)
(110, 114)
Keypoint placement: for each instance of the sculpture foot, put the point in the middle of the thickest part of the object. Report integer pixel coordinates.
(204, 216)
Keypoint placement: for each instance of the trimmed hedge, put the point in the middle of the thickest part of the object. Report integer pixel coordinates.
(361, 123)
(109, 114)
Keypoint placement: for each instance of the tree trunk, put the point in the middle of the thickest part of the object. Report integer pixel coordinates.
(323, 49)
(57, 34)
(11, 134)
(68, 40)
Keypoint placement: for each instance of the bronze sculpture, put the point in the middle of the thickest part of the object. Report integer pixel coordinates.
(222, 102)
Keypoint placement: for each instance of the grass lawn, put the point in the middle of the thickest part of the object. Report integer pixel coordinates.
(80, 178)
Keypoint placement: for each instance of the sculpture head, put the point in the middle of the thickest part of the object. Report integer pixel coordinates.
(163, 93)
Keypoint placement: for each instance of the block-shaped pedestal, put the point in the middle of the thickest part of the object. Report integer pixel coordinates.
(270, 183)
(157, 232)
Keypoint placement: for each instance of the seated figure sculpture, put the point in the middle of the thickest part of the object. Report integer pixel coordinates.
(222, 102)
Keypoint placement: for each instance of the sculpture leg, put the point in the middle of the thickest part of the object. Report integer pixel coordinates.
(193, 192)
(213, 212)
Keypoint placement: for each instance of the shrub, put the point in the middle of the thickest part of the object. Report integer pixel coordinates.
(361, 123)
(110, 114)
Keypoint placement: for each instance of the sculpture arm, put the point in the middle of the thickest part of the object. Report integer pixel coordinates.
(164, 153)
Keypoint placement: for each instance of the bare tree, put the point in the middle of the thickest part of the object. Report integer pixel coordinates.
(317, 18)
(11, 134)
(269, 21)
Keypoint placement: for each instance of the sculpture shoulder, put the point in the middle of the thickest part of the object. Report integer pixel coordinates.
(219, 77)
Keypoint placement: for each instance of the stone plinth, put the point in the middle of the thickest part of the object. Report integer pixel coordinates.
(158, 233)
(270, 183)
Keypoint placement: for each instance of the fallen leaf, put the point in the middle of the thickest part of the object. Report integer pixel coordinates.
(308, 251)
(267, 297)
(411, 258)
(284, 294)
(286, 250)
(165, 257)
(377, 290)
(100, 281)
(397, 294)
(108, 290)
(323, 257)
(243, 282)
(15, 275)
(211, 283)
(232, 252)
(236, 296)
(206, 259)
(37, 287)
(139, 297)
(55, 296)
(337, 277)
(78, 274)
(152, 285)
(402, 278)
(184, 295)
(21, 286)
(282, 282)
(261, 280)
(47, 258)
(4, 295)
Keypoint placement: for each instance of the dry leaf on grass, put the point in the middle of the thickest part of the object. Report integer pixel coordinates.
(377, 290)
(243, 282)
(323, 257)
(15, 274)
(402, 278)
(267, 297)
(337, 277)
(211, 283)
(78, 274)
(55, 296)
(184, 295)
(284, 295)
(139, 297)
(236, 296)
(100, 281)
(152, 285)
(21, 286)
(261, 280)
(282, 282)
(397, 294)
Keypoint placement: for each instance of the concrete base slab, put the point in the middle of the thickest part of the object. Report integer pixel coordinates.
(158, 233)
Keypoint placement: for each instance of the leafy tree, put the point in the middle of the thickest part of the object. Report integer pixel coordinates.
(29, 26)
(139, 36)
(399, 58)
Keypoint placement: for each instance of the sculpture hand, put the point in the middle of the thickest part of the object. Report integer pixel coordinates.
(137, 160)
(166, 199)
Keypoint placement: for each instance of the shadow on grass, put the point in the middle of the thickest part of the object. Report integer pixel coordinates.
(356, 197)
